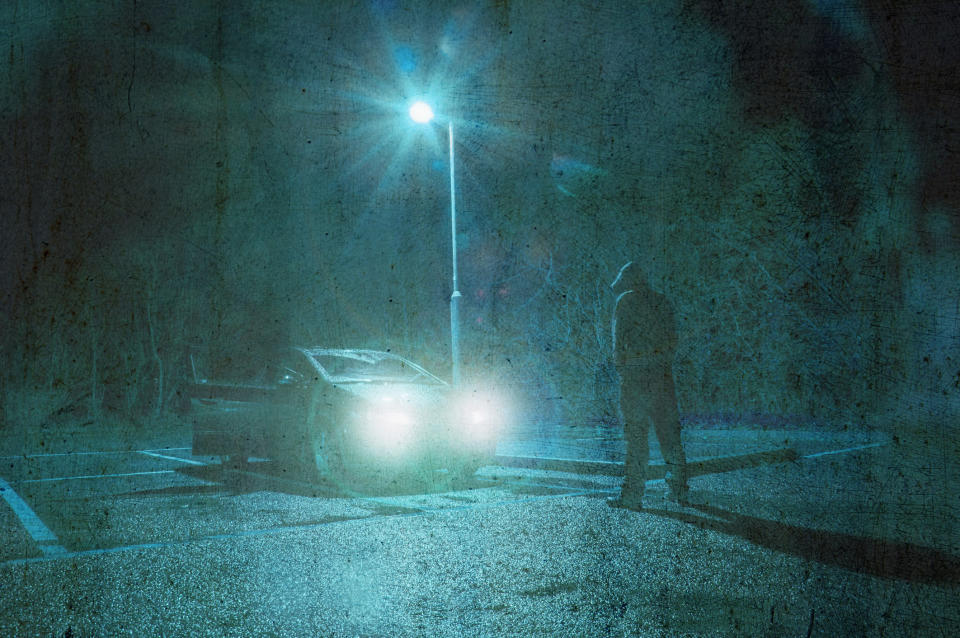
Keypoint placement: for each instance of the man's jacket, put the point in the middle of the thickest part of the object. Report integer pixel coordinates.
(644, 329)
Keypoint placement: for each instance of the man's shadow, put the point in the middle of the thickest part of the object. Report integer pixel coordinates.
(882, 558)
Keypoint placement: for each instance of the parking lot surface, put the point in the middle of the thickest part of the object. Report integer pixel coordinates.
(791, 533)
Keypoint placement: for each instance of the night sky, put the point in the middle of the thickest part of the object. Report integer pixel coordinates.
(209, 177)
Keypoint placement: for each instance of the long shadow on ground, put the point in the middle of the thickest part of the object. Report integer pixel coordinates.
(877, 557)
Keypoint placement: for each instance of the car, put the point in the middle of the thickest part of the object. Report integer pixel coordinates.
(344, 414)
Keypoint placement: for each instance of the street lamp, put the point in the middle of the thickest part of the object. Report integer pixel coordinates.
(421, 112)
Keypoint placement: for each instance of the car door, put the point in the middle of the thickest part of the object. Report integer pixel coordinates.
(285, 431)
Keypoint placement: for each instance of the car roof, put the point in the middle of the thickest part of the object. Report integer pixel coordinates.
(365, 355)
(352, 353)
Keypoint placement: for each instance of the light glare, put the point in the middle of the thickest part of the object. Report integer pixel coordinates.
(481, 416)
(421, 112)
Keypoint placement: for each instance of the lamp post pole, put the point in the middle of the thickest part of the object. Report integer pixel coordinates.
(421, 112)
(455, 296)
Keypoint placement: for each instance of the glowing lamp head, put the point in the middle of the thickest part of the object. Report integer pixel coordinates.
(421, 112)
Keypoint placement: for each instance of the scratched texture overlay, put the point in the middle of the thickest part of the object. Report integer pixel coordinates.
(189, 186)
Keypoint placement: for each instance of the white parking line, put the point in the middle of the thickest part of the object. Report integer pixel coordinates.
(52, 550)
(171, 458)
(104, 453)
(93, 476)
(49, 454)
(40, 533)
(843, 451)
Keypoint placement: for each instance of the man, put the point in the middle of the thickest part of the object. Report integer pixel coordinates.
(644, 344)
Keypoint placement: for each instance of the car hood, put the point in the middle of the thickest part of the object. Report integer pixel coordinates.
(409, 393)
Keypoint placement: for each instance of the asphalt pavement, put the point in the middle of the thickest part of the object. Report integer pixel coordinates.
(791, 533)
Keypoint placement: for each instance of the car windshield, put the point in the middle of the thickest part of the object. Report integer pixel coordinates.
(346, 366)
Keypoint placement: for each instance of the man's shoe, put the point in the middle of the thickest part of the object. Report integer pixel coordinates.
(630, 502)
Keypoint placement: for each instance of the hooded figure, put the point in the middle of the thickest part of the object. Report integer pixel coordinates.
(644, 344)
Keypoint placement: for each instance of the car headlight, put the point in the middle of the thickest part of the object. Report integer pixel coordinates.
(481, 415)
(387, 424)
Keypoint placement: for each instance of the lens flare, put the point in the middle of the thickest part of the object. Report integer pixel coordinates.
(481, 415)
(421, 112)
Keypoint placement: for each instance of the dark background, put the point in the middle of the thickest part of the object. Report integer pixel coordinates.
(203, 177)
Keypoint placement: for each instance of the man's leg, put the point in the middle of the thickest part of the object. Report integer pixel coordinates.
(635, 463)
(636, 427)
(666, 421)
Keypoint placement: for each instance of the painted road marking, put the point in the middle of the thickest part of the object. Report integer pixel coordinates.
(47, 541)
(843, 451)
(46, 454)
(40, 533)
(93, 476)
(172, 458)
(617, 466)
